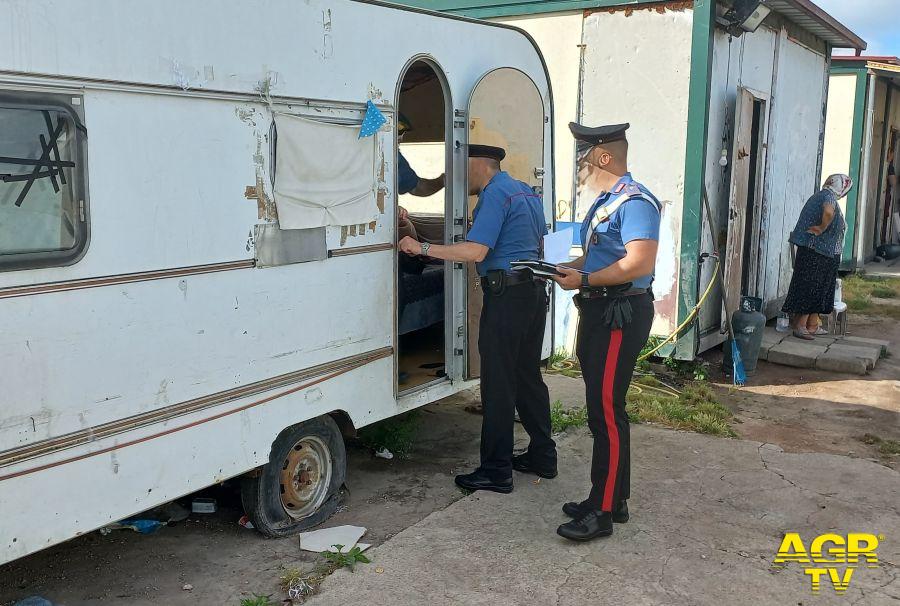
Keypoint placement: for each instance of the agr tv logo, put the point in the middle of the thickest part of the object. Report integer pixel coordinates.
(830, 551)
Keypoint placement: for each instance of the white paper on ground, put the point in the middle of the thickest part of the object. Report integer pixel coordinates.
(557, 246)
(325, 539)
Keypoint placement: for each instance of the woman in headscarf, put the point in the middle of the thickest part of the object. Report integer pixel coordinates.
(819, 238)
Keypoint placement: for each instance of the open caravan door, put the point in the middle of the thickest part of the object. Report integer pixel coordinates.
(506, 110)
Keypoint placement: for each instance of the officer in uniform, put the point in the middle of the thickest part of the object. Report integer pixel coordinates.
(508, 225)
(614, 278)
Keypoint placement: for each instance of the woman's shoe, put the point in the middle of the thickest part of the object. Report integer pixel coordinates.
(802, 333)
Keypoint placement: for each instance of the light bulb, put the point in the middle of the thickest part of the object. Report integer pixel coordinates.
(723, 161)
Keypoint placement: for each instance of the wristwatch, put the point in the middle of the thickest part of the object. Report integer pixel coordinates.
(585, 281)
(425, 247)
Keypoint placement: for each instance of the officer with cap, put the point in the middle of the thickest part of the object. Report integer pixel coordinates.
(620, 237)
(508, 225)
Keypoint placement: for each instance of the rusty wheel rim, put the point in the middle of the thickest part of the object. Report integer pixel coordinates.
(305, 477)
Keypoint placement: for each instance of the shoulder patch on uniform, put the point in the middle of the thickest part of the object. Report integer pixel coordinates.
(633, 189)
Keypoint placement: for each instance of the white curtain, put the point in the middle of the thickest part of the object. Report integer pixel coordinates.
(324, 174)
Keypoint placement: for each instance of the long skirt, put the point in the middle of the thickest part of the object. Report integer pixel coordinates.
(813, 284)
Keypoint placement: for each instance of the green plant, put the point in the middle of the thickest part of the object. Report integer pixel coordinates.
(557, 357)
(885, 447)
(689, 369)
(563, 418)
(397, 434)
(258, 600)
(336, 559)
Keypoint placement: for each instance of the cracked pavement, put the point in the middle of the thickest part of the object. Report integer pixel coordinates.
(708, 515)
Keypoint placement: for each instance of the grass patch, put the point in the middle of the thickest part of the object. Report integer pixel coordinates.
(859, 290)
(558, 357)
(397, 434)
(885, 447)
(258, 600)
(884, 292)
(300, 585)
(695, 409)
(563, 418)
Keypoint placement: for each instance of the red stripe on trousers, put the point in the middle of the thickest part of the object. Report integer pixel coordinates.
(609, 415)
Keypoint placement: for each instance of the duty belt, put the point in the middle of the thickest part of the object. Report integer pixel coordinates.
(497, 281)
(611, 292)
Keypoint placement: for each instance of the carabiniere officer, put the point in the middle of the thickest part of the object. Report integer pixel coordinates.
(508, 225)
(620, 236)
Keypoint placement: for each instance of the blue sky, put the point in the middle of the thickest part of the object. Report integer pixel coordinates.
(876, 21)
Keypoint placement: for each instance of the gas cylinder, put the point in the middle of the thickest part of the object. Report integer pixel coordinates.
(747, 325)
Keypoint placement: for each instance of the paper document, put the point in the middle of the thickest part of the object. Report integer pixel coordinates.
(557, 246)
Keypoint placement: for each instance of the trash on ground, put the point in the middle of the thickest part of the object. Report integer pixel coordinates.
(203, 505)
(384, 453)
(137, 525)
(325, 539)
(188, 587)
(245, 522)
(34, 600)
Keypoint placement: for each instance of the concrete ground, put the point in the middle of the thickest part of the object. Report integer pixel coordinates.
(708, 516)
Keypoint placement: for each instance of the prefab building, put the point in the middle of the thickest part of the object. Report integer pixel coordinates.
(861, 134)
(741, 116)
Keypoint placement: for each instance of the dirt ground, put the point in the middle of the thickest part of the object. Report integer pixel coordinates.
(799, 411)
(818, 411)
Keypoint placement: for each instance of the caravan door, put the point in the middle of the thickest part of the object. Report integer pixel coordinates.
(506, 110)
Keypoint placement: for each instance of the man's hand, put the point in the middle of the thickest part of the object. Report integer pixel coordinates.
(402, 214)
(410, 246)
(814, 230)
(571, 280)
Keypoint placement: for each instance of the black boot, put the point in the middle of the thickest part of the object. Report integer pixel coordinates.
(576, 510)
(522, 463)
(478, 480)
(591, 525)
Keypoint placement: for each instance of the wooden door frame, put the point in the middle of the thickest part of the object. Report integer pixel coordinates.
(742, 145)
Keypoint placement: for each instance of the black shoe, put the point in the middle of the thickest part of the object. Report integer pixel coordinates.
(522, 463)
(477, 480)
(576, 510)
(591, 525)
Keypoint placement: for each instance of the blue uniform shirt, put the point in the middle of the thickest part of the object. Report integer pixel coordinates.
(636, 219)
(407, 179)
(508, 219)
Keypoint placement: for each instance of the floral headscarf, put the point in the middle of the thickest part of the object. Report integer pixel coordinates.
(839, 185)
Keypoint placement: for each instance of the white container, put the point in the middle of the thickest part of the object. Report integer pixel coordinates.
(839, 291)
(203, 506)
(784, 323)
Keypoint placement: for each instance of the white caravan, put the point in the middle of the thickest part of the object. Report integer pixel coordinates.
(198, 270)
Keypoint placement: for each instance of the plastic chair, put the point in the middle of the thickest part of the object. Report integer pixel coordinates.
(837, 323)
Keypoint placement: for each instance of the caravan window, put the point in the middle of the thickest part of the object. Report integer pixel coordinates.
(42, 214)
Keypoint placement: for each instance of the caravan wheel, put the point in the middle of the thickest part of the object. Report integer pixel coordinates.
(300, 485)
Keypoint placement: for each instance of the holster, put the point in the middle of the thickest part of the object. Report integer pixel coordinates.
(495, 282)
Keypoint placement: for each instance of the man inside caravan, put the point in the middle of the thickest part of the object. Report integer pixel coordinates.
(508, 226)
